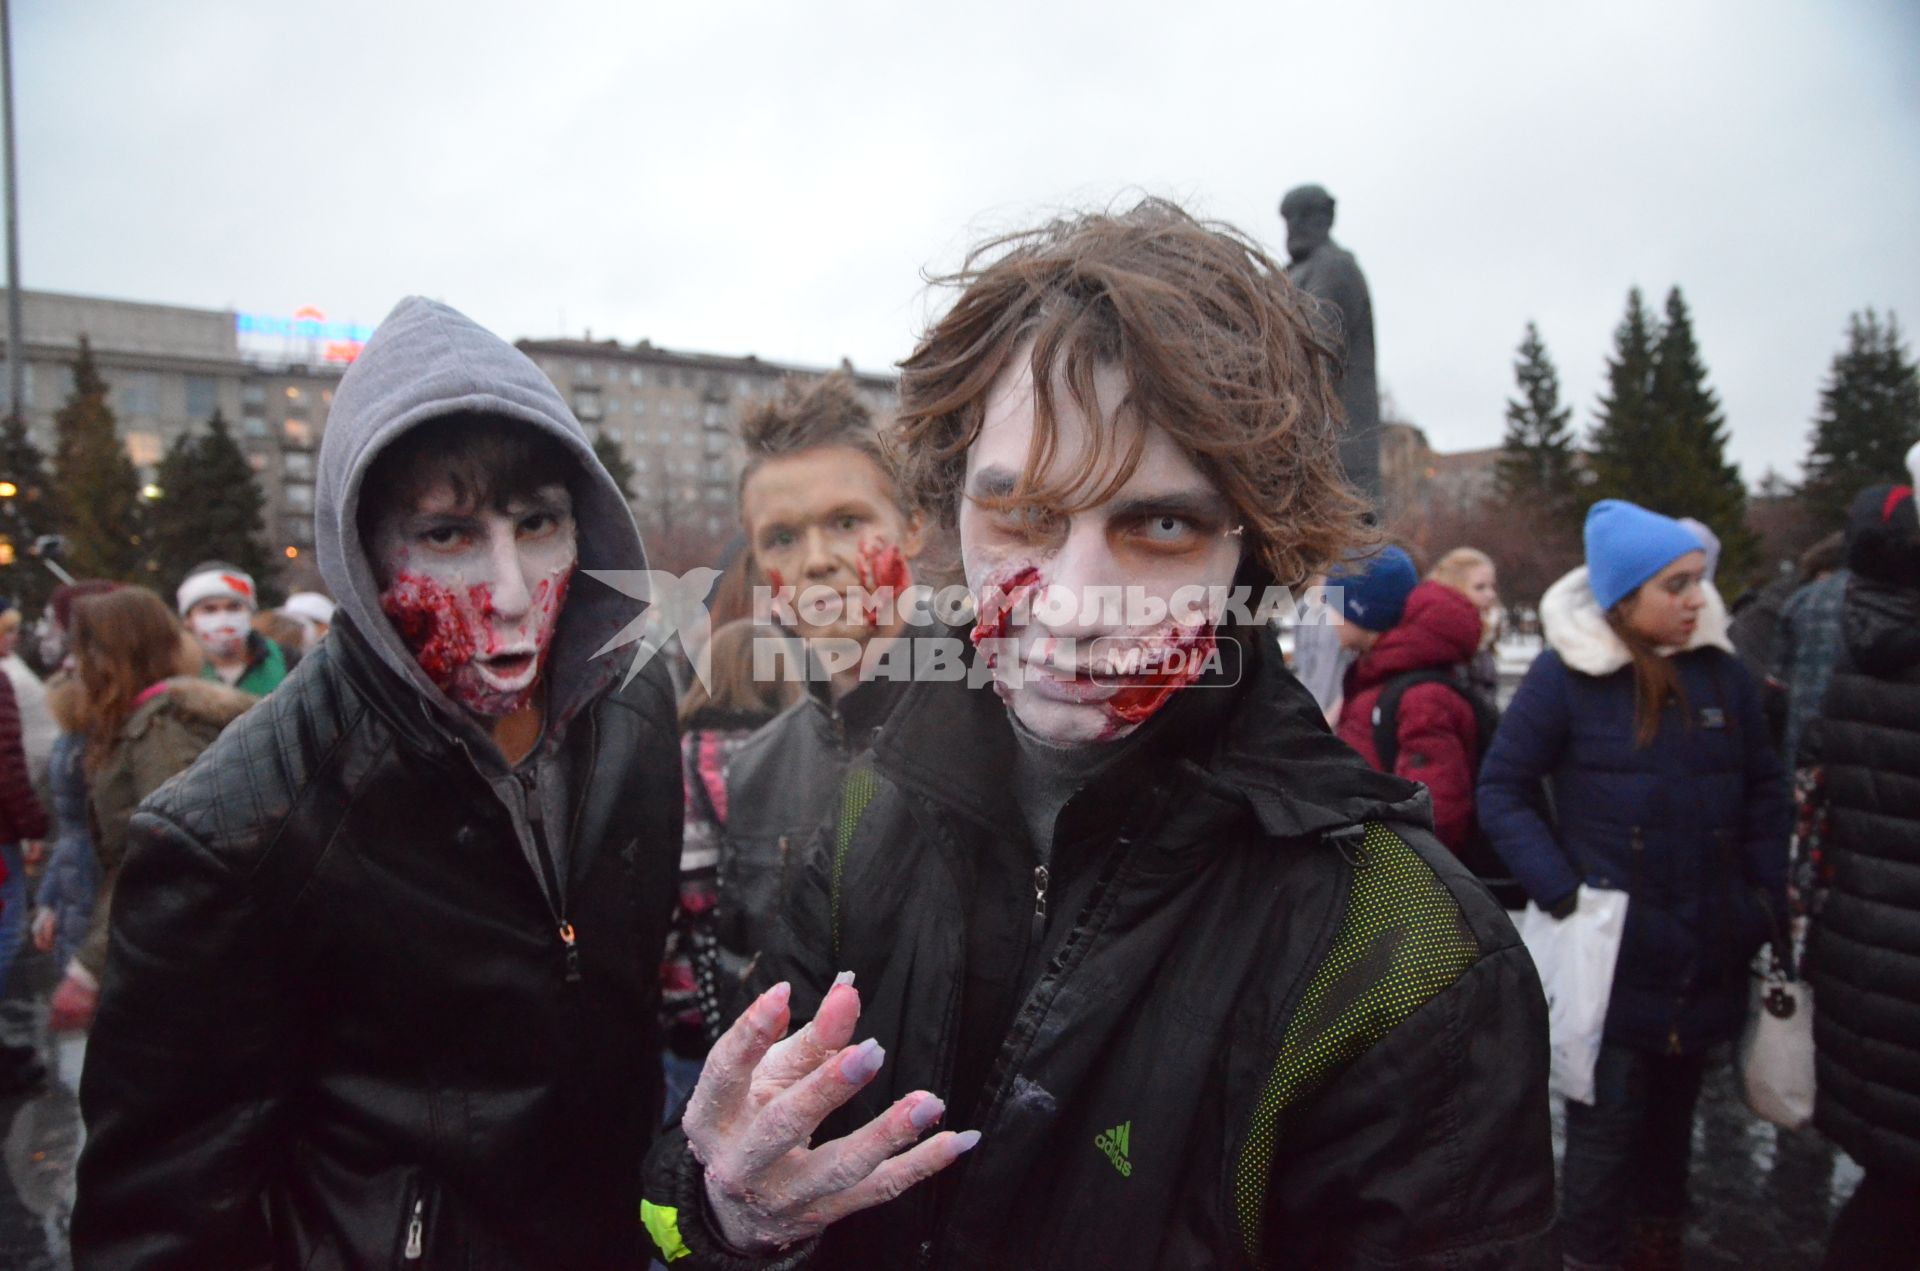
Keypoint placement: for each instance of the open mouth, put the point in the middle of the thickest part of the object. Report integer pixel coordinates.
(1062, 686)
(508, 670)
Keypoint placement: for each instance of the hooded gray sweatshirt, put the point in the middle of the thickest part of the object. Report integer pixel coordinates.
(427, 361)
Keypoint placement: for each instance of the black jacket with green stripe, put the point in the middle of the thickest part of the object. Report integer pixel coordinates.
(1268, 1021)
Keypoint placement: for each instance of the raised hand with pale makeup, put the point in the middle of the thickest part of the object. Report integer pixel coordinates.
(758, 1102)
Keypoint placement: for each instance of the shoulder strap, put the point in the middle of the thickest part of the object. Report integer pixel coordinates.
(1386, 712)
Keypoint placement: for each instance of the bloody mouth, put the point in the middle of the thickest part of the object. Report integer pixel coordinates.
(1145, 694)
(997, 606)
(447, 629)
(508, 666)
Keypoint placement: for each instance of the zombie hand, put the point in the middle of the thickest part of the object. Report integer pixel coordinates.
(73, 1004)
(45, 927)
(757, 1104)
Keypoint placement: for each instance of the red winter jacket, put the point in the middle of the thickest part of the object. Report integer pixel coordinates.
(21, 816)
(1439, 630)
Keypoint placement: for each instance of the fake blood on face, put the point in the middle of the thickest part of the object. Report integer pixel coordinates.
(1002, 598)
(883, 572)
(433, 622)
(1145, 694)
(450, 628)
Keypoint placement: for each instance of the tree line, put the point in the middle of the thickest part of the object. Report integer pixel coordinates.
(1659, 438)
(204, 502)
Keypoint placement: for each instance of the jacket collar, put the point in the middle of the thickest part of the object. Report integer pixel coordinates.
(1256, 744)
(1576, 628)
(856, 715)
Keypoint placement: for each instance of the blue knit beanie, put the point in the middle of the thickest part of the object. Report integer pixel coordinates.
(1626, 545)
(1375, 590)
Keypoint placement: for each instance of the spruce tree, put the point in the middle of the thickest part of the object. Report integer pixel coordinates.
(210, 508)
(1536, 468)
(1660, 439)
(30, 511)
(99, 486)
(615, 461)
(1623, 436)
(1869, 417)
(1695, 478)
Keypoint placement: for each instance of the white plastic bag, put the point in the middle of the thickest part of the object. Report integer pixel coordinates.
(1776, 1048)
(1575, 957)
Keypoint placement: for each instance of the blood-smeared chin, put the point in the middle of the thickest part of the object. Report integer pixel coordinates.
(452, 635)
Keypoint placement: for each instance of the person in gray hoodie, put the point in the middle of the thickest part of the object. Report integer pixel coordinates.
(383, 979)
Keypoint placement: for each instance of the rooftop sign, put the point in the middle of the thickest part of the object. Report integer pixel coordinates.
(304, 336)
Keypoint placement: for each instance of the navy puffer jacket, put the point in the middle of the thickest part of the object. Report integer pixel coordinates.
(1694, 827)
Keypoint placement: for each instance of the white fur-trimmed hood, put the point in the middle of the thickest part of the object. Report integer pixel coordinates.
(1576, 629)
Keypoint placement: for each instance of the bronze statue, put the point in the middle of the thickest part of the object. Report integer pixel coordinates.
(1328, 272)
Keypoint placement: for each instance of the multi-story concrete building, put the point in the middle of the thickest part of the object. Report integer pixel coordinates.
(675, 417)
(169, 369)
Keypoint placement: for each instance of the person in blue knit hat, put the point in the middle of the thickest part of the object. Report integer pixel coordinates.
(1373, 593)
(1649, 732)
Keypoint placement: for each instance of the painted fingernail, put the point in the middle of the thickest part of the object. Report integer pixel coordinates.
(863, 1062)
(767, 1010)
(965, 1140)
(926, 1112)
(845, 977)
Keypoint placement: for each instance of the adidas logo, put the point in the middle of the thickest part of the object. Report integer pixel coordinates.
(1114, 1144)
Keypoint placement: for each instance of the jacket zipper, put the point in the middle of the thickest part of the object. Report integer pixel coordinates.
(985, 1113)
(1638, 843)
(556, 898)
(416, 1230)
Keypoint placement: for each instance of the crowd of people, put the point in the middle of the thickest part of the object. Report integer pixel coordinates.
(430, 925)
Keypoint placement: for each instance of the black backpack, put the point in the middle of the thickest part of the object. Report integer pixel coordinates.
(1478, 854)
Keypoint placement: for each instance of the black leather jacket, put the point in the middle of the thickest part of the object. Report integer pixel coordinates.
(341, 1026)
(779, 787)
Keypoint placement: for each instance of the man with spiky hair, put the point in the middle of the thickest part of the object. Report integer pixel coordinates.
(829, 533)
(1182, 982)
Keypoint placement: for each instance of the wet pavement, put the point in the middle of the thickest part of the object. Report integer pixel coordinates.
(1763, 1200)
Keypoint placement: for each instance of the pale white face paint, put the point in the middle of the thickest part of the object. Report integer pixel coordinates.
(476, 594)
(220, 625)
(1167, 535)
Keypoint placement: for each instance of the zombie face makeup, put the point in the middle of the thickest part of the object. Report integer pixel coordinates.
(1092, 619)
(476, 593)
(823, 522)
(220, 625)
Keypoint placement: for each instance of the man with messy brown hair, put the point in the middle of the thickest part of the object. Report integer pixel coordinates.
(1183, 981)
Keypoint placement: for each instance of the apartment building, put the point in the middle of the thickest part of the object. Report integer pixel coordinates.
(675, 417)
(169, 368)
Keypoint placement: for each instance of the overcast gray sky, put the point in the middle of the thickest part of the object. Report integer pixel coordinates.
(772, 178)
